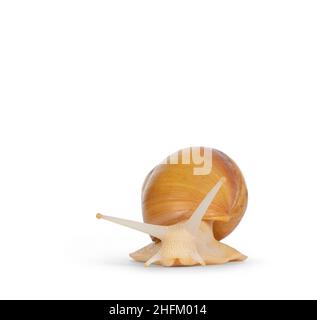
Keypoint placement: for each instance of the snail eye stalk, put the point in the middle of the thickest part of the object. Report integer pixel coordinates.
(151, 229)
(195, 220)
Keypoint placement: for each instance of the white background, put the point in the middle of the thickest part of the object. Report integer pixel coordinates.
(93, 94)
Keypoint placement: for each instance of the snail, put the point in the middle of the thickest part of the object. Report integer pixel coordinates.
(187, 212)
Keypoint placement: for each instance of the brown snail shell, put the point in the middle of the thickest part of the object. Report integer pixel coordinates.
(171, 192)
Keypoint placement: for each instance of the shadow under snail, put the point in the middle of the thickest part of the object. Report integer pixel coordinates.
(186, 214)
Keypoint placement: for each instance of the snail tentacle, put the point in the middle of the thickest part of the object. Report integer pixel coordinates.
(197, 257)
(153, 259)
(151, 229)
(194, 222)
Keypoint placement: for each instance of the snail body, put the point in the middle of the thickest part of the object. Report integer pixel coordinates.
(187, 211)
